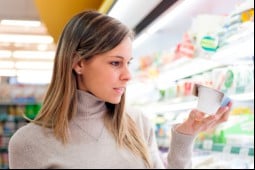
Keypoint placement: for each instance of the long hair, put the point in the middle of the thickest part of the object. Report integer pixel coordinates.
(87, 34)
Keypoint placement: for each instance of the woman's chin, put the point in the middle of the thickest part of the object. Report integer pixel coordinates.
(114, 101)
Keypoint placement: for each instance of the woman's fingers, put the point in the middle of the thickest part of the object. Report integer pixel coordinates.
(224, 113)
(213, 120)
(199, 121)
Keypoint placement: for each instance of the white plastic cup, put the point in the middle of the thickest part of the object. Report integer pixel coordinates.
(209, 99)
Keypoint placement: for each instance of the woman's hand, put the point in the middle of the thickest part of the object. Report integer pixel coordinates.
(199, 121)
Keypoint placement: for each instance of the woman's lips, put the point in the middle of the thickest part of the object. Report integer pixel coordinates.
(119, 90)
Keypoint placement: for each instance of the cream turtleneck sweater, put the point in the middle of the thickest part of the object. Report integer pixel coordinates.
(91, 145)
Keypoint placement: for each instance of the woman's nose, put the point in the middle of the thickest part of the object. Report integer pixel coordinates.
(126, 74)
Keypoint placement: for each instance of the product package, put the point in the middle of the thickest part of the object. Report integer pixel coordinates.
(209, 99)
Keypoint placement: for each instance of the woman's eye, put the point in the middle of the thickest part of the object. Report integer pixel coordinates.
(115, 63)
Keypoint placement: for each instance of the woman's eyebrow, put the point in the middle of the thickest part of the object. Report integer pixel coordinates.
(121, 57)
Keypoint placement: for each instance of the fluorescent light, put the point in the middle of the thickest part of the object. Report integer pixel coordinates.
(5, 54)
(163, 20)
(34, 54)
(121, 10)
(34, 77)
(23, 72)
(7, 72)
(172, 14)
(34, 65)
(11, 29)
(22, 38)
(26, 23)
(42, 47)
(6, 64)
(119, 7)
(140, 39)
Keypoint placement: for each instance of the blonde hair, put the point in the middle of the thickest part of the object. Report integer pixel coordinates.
(88, 33)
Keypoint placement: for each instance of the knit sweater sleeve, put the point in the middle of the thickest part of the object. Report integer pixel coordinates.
(180, 150)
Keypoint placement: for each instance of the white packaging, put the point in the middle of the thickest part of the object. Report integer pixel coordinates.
(209, 99)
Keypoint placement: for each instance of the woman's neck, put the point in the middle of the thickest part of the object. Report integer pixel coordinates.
(89, 106)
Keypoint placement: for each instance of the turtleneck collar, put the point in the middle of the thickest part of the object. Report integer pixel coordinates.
(89, 106)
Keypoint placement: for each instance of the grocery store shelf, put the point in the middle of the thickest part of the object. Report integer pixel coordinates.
(167, 106)
(243, 96)
(181, 103)
(186, 67)
(240, 51)
(248, 151)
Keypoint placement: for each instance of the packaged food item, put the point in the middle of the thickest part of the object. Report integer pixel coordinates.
(209, 43)
(209, 99)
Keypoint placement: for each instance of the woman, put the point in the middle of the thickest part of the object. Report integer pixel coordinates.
(83, 122)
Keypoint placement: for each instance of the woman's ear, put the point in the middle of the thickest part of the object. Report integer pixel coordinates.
(77, 64)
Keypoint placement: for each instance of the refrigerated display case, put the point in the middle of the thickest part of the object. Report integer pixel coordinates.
(221, 57)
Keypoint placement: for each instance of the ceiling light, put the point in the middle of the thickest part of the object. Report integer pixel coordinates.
(39, 76)
(6, 64)
(42, 47)
(34, 54)
(163, 20)
(170, 15)
(34, 65)
(121, 11)
(140, 39)
(11, 29)
(5, 54)
(21, 38)
(7, 72)
(119, 7)
(21, 23)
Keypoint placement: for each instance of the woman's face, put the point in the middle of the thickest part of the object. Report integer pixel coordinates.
(106, 75)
